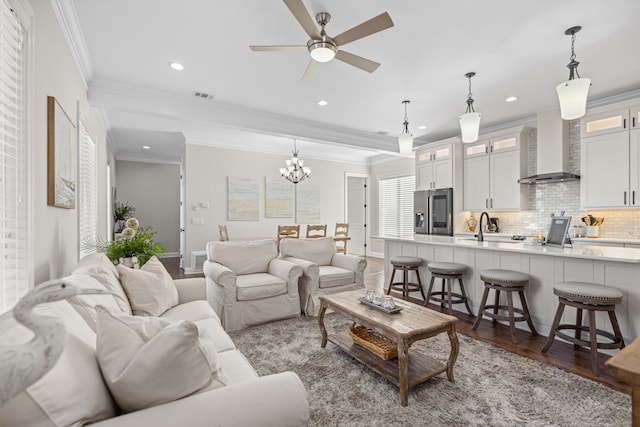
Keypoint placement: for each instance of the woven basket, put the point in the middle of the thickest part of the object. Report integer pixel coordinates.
(374, 342)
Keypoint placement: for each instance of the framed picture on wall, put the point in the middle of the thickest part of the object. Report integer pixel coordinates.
(61, 157)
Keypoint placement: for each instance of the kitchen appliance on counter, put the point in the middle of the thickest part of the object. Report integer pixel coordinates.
(433, 211)
(492, 227)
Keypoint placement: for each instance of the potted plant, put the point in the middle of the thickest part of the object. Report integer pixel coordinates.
(122, 211)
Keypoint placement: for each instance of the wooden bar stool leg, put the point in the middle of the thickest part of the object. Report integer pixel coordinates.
(485, 294)
(578, 326)
(393, 274)
(525, 308)
(405, 284)
(554, 327)
(512, 321)
(497, 303)
(420, 285)
(426, 300)
(442, 292)
(594, 343)
(464, 296)
(616, 327)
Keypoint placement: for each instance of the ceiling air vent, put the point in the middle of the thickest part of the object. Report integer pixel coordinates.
(203, 95)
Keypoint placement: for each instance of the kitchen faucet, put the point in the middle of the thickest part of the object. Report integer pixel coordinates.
(480, 236)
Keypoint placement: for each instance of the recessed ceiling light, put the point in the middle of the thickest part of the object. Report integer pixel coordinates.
(422, 127)
(322, 103)
(146, 147)
(511, 99)
(176, 66)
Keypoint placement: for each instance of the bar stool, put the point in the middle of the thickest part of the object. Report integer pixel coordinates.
(590, 297)
(508, 281)
(406, 264)
(448, 272)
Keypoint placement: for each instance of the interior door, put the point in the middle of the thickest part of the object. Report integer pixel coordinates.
(357, 214)
(183, 234)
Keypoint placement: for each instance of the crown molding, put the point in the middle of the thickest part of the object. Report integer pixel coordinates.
(67, 17)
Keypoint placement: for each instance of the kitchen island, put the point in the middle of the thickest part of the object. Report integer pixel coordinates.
(610, 266)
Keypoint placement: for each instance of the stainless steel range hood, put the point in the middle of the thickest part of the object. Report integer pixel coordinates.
(553, 151)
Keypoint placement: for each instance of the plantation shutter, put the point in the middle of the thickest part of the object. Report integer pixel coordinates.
(14, 282)
(87, 187)
(395, 206)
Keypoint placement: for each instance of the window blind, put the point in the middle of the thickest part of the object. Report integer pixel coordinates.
(14, 281)
(87, 187)
(395, 206)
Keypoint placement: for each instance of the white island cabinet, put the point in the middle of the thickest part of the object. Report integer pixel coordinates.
(609, 266)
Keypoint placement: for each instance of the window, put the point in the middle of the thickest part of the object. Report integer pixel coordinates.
(395, 206)
(14, 277)
(87, 198)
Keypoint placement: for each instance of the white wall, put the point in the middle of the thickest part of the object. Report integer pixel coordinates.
(154, 190)
(393, 168)
(207, 169)
(55, 74)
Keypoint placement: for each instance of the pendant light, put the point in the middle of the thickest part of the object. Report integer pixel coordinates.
(405, 140)
(573, 93)
(295, 171)
(470, 120)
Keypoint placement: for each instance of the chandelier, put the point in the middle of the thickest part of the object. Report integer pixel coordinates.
(470, 120)
(295, 171)
(573, 93)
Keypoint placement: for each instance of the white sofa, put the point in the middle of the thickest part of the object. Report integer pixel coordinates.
(74, 392)
(325, 271)
(248, 285)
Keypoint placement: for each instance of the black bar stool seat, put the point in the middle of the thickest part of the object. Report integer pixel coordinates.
(406, 264)
(448, 272)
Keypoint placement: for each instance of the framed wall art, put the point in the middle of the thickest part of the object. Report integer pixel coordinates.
(243, 199)
(61, 157)
(307, 204)
(278, 198)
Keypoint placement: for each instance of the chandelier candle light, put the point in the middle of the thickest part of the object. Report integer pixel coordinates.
(573, 93)
(295, 171)
(470, 120)
(405, 140)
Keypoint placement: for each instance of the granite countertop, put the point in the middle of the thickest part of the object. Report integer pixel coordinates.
(503, 243)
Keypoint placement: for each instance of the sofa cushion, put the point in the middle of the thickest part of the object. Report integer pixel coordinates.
(243, 257)
(192, 310)
(98, 266)
(335, 276)
(150, 289)
(73, 392)
(147, 361)
(259, 286)
(86, 304)
(319, 251)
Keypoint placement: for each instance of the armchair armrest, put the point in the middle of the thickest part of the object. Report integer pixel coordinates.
(218, 273)
(309, 268)
(191, 289)
(275, 400)
(287, 271)
(353, 263)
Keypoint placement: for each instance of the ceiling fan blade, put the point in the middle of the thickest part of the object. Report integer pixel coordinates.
(357, 61)
(372, 26)
(302, 15)
(280, 48)
(310, 73)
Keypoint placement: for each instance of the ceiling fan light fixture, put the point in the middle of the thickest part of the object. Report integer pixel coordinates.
(573, 93)
(470, 120)
(322, 50)
(405, 139)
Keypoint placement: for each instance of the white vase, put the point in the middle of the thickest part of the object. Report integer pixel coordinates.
(131, 262)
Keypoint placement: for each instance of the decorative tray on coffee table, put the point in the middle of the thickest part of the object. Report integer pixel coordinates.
(379, 307)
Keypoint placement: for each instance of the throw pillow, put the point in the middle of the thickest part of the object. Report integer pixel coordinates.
(147, 361)
(151, 290)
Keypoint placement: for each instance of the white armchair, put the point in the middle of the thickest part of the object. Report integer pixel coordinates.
(248, 285)
(325, 271)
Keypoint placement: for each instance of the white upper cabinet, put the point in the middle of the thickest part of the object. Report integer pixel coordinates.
(492, 168)
(434, 166)
(610, 157)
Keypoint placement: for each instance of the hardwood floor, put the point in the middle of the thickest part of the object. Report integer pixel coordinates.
(561, 354)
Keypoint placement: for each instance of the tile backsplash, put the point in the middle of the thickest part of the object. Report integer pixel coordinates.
(545, 199)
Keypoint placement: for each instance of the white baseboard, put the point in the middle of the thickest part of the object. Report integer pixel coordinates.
(376, 255)
(169, 255)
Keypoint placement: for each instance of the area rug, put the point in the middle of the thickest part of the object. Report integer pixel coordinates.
(492, 386)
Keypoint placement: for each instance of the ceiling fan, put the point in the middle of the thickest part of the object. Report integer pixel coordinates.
(323, 48)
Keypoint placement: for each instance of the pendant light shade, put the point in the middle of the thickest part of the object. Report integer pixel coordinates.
(573, 93)
(405, 139)
(470, 120)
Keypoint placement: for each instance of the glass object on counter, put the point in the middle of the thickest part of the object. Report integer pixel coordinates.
(387, 302)
(472, 223)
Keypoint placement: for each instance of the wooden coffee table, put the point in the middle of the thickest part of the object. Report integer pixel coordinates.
(411, 324)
